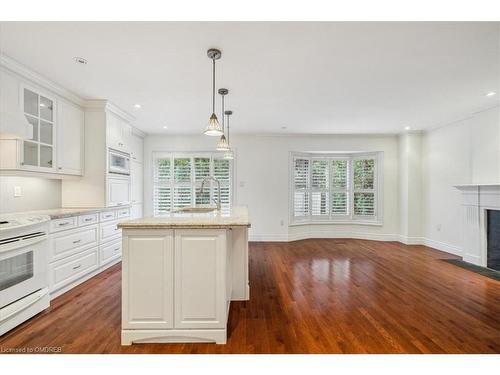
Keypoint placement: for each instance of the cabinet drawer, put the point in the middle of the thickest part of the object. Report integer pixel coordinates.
(63, 224)
(68, 270)
(110, 231)
(124, 212)
(107, 215)
(87, 219)
(110, 252)
(70, 242)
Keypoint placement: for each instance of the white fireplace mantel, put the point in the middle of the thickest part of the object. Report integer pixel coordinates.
(476, 200)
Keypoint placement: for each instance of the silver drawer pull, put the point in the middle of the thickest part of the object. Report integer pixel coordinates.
(116, 249)
(76, 267)
(63, 224)
(89, 219)
(77, 241)
(106, 216)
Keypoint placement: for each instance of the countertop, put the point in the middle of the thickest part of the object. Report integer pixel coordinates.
(59, 213)
(235, 217)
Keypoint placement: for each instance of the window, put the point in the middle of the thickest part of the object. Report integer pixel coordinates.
(335, 187)
(177, 180)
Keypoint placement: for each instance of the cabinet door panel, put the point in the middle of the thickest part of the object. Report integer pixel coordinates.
(136, 177)
(147, 281)
(118, 191)
(200, 284)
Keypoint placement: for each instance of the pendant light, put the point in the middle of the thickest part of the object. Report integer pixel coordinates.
(213, 128)
(229, 153)
(223, 145)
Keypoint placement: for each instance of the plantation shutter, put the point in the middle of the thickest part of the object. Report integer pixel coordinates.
(162, 192)
(201, 171)
(340, 187)
(364, 187)
(177, 181)
(301, 187)
(222, 172)
(183, 188)
(320, 188)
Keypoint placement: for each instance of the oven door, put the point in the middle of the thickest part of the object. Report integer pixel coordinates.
(118, 163)
(22, 267)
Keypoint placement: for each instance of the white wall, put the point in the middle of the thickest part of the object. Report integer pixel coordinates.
(37, 194)
(467, 151)
(262, 165)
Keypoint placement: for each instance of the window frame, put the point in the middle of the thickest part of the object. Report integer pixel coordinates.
(193, 184)
(350, 218)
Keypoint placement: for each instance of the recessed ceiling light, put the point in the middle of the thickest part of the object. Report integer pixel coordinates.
(491, 93)
(137, 106)
(80, 60)
(165, 127)
(407, 128)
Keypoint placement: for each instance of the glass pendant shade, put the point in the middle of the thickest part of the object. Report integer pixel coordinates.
(222, 145)
(213, 129)
(229, 154)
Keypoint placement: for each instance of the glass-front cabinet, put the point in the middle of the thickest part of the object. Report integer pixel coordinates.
(38, 152)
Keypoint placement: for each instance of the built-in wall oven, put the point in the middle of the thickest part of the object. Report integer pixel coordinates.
(23, 271)
(118, 162)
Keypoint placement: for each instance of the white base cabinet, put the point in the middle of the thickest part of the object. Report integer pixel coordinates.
(176, 285)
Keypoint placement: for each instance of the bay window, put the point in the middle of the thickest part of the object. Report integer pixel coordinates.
(335, 187)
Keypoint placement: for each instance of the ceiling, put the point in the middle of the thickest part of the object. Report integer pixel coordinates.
(283, 77)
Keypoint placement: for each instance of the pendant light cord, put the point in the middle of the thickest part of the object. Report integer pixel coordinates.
(213, 85)
(223, 114)
(228, 129)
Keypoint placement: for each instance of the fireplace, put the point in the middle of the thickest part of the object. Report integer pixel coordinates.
(480, 242)
(493, 239)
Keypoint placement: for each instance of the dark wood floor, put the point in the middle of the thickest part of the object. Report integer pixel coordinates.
(312, 296)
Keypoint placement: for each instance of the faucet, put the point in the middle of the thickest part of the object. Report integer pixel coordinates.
(218, 189)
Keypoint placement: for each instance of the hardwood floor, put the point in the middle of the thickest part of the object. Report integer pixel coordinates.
(311, 296)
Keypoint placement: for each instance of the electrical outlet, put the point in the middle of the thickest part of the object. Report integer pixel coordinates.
(438, 227)
(18, 192)
(242, 183)
(282, 222)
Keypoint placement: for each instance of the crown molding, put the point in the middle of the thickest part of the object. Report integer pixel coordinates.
(98, 105)
(26, 73)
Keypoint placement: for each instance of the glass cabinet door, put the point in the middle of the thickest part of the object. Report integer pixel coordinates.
(39, 111)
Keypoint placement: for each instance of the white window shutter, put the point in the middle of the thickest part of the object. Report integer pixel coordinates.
(364, 187)
(301, 184)
(162, 193)
(340, 187)
(320, 197)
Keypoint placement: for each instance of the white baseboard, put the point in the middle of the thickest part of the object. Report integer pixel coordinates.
(452, 249)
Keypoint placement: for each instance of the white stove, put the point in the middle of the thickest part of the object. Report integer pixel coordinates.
(18, 221)
(23, 268)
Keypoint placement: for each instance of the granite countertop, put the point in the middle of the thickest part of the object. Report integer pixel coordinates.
(59, 213)
(235, 217)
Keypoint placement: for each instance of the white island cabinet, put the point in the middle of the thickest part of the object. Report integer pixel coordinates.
(180, 273)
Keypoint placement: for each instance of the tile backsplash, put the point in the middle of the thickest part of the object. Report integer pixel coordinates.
(35, 194)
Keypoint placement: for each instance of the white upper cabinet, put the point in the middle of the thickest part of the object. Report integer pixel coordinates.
(136, 148)
(118, 133)
(70, 135)
(38, 152)
(13, 123)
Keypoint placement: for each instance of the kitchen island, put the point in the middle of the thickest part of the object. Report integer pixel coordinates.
(179, 274)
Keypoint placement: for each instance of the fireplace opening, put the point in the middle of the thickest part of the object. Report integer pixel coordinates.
(493, 239)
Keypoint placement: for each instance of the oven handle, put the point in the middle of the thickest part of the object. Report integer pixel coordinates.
(22, 243)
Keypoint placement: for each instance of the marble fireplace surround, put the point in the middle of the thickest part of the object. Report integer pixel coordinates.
(476, 200)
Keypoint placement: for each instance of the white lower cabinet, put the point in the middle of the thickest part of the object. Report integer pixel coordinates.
(174, 285)
(147, 286)
(82, 246)
(200, 278)
(110, 251)
(65, 271)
